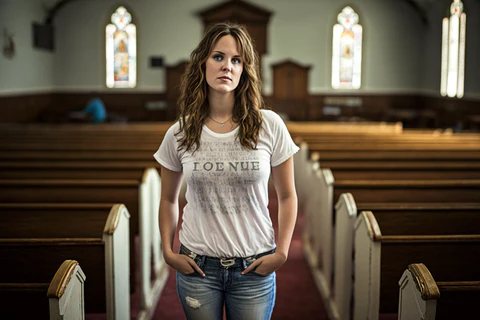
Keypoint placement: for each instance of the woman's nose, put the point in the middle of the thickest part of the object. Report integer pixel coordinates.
(227, 66)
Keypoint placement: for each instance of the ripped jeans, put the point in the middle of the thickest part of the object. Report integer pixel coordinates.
(245, 297)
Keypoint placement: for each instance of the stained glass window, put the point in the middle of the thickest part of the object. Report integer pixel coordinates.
(121, 50)
(453, 51)
(347, 51)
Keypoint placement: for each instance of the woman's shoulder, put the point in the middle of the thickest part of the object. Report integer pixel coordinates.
(174, 128)
(271, 117)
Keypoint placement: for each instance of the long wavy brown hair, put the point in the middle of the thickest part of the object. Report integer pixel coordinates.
(193, 102)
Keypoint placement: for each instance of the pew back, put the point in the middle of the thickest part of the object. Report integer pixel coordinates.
(409, 190)
(423, 298)
(381, 258)
(18, 256)
(104, 256)
(62, 298)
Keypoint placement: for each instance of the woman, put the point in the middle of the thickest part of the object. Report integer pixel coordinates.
(226, 146)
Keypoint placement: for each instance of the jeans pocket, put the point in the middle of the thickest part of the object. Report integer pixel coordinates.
(254, 270)
(197, 260)
(259, 274)
(193, 274)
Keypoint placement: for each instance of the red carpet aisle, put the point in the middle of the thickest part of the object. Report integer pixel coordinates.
(297, 295)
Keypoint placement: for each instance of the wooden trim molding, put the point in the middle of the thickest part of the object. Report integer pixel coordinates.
(424, 281)
(372, 224)
(61, 279)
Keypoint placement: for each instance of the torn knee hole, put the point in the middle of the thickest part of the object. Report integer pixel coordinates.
(193, 303)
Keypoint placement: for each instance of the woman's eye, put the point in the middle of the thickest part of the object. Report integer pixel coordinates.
(218, 57)
(236, 60)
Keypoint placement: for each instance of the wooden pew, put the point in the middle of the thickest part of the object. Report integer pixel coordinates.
(56, 140)
(381, 257)
(424, 298)
(74, 169)
(159, 127)
(86, 128)
(101, 248)
(378, 170)
(62, 298)
(395, 155)
(117, 170)
(135, 194)
(301, 172)
(408, 190)
(353, 144)
(304, 128)
(381, 170)
(319, 244)
(405, 218)
(142, 155)
(61, 155)
(382, 138)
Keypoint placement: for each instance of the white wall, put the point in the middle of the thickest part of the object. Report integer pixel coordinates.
(167, 28)
(400, 53)
(30, 70)
(301, 30)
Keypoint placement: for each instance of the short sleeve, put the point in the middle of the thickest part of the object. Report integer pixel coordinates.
(168, 155)
(283, 145)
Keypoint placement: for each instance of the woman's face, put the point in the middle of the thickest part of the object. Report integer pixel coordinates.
(224, 66)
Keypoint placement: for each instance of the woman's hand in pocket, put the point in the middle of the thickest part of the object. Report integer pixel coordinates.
(183, 264)
(266, 265)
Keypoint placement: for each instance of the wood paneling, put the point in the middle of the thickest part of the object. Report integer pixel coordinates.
(54, 107)
(412, 109)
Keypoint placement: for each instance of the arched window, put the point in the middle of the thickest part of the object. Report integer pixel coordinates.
(453, 51)
(121, 50)
(347, 51)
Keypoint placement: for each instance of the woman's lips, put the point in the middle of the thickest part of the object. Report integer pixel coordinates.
(225, 78)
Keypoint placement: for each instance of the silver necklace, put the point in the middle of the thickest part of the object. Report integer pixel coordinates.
(222, 123)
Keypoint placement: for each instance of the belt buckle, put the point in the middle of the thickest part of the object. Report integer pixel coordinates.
(227, 262)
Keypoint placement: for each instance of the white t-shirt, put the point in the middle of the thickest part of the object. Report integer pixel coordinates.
(226, 214)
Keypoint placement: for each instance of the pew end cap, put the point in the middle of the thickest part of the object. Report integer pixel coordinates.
(114, 217)
(424, 281)
(371, 224)
(62, 277)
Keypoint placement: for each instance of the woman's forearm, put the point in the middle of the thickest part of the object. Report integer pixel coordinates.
(168, 220)
(287, 217)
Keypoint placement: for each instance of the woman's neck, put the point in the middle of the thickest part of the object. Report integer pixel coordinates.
(221, 105)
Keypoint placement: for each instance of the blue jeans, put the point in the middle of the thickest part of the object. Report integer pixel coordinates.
(245, 297)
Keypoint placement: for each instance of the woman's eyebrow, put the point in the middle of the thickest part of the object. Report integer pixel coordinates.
(220, 52)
